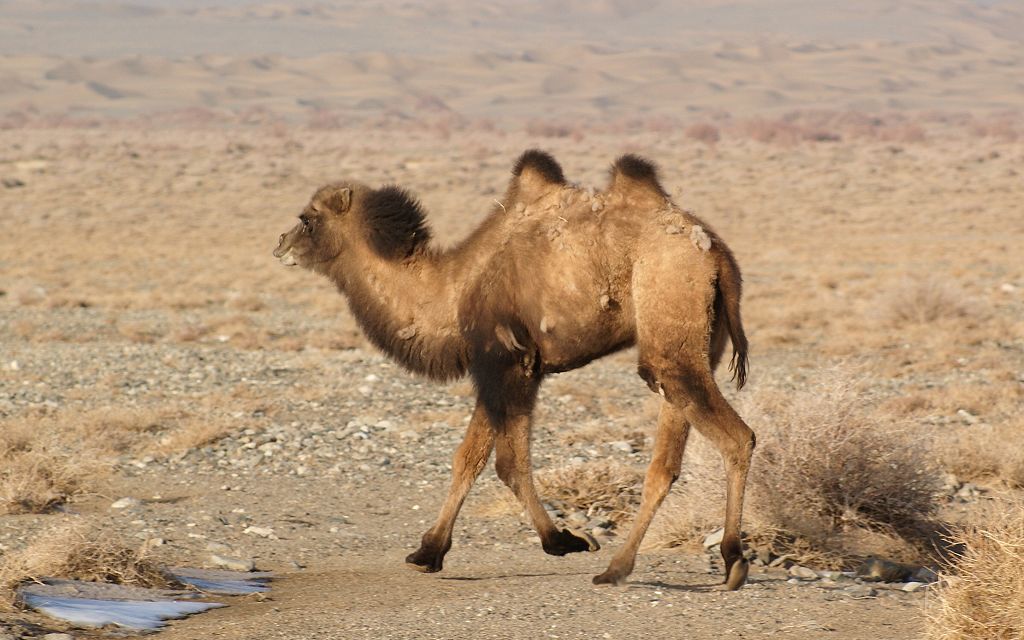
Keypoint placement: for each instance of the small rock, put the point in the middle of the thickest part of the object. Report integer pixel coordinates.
(794, 581)
(58, 636)
(967, 416)
(714, 538)
(802, 572)
(911, 587)
(860, 591)
(126, 503)
(577, 519)
(13, 183)
(263, 532)
(232, 564)
(621, 445)
(1006, 287)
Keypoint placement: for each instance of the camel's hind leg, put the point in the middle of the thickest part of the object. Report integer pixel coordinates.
(669, 445)
(469, 460)
(694, 398)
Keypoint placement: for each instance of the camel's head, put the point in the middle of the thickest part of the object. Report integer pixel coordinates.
(388, 221)
(318, 238)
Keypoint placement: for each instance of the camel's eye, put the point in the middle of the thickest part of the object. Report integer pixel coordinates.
(306, 226)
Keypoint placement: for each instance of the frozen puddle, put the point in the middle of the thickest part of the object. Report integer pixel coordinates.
(93, 604)
(225, 583)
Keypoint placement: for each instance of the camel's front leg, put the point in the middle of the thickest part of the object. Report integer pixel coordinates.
(469, 460)
(513, 465)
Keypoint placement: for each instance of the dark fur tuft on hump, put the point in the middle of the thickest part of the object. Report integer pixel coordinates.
(395, 224)
(636, 168)
(541, 162)
(631, 169)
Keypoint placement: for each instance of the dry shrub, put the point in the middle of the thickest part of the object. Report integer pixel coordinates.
(46, 459)
(703, 132)
(603, 488)
(828, 483)
(924, 301)
(599, 488)
(35, 481)
(985, 452)
(981, 596)
(78, 551)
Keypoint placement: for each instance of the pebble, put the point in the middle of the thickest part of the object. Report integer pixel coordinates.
(911, 587)
(714, 538)
(58, 636)
(803, 573)
(263, 532)
(126, 503)
(860, 591)
(967, 416)
(233, 564)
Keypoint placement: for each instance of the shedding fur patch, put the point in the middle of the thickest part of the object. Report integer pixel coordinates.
(395, 224)
(540, 162)
(700, 238)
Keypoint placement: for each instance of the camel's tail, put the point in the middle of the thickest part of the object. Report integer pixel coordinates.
(730, 285)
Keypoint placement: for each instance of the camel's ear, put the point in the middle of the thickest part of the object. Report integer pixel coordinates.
(340, 200)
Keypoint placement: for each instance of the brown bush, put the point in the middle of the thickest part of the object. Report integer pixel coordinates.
(985, 452)
(703, 132)
(981, 595)
(601, 488)
(828, 483)
(924, 301)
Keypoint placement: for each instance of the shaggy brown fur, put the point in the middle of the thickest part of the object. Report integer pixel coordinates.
(554, 278)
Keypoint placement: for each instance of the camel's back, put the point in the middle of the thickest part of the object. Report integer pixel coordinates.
(565, 264)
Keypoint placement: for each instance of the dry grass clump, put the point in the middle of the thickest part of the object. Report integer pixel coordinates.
(604, 488)
(925, 301)
(981, 597)
(599, 488)
(47, 459)
(35, 481)
(78, 551)
(828, 483)
(985, 452)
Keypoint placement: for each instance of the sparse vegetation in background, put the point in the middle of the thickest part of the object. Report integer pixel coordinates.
(703, 132)
(77, 551)
(47, 459)
(924, 301)
(985, 452)
(828, 482)
(981, 596)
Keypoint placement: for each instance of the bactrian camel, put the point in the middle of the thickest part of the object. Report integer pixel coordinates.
(554, 278)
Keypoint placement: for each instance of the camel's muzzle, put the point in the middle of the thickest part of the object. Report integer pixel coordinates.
(285, 252)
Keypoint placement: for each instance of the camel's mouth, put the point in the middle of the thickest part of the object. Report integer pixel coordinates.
(288, 258)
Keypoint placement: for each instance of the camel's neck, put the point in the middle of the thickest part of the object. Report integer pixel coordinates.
(408, 309)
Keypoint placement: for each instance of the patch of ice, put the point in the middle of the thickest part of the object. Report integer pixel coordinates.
(132, 614)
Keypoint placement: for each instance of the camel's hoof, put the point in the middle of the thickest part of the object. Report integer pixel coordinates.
(424, 561)
(737, 575)
(566, 541)
(610, 576)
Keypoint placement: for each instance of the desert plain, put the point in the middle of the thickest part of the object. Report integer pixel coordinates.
(168, 387)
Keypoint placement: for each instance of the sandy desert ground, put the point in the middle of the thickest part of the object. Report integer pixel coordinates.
(867, 176)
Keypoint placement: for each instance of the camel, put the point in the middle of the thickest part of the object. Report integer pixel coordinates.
(555, 277)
